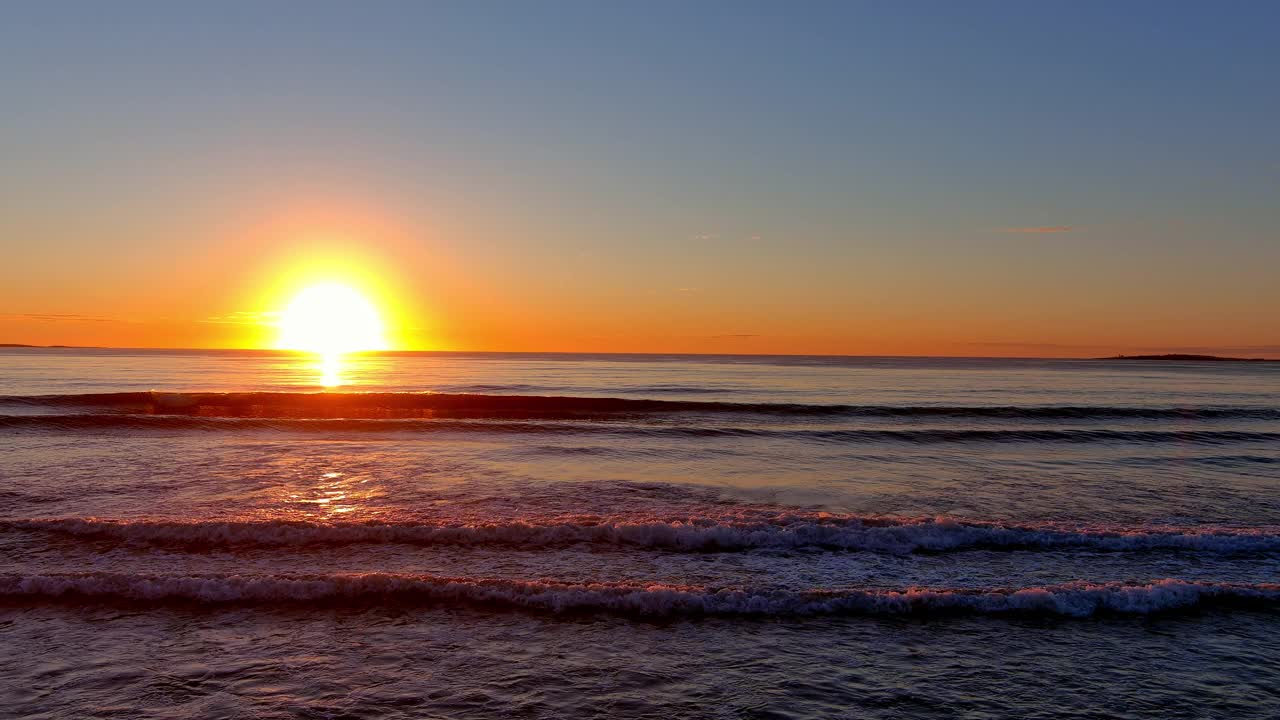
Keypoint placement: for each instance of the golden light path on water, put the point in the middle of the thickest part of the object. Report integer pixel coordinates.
(330, 370)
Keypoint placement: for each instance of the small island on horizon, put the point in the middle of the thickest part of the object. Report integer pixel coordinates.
(65, 347)
(1187, 358)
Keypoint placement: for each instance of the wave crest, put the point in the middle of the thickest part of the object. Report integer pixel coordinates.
(480, 404)
(797, 531)
(1071, 600)
(92, 422)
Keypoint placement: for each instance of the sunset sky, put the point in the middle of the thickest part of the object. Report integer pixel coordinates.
(1046, 179)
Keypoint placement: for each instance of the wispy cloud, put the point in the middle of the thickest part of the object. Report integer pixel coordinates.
(1027, 345)
(1038, 229)
(55, 317)
(242, 317)
(1111, 349)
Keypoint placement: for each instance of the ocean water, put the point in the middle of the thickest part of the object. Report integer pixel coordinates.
(215, 535)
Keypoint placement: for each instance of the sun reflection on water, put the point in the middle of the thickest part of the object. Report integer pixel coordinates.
(332, 495)
(330, 367)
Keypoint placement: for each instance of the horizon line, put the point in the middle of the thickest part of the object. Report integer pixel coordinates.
(1116, 356)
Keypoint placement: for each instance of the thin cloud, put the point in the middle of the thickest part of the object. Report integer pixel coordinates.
(1028, 345)
(1229, 350)
(242, 317)
(54, 317)
(1038, 230)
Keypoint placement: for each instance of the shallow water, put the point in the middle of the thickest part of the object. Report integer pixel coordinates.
(211, 534)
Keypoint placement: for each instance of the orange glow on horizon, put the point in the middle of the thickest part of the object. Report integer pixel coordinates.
(440, 285)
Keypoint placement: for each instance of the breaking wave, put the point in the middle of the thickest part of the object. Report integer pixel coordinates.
(694, 534)
(98, 422)
(1077, 600)
(407, 404)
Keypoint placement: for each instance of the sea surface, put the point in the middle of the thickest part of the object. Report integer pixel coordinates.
(213, 534)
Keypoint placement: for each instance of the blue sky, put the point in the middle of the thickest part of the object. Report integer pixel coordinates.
(766, 165)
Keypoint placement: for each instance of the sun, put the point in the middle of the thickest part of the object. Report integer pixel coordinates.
(331, 319)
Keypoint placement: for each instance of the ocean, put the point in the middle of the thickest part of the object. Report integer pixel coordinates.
(213, 534)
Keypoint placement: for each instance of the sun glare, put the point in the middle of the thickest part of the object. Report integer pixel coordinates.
(330, 320)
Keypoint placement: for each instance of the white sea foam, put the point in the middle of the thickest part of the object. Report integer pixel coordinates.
(727, 533)
(1071, 600)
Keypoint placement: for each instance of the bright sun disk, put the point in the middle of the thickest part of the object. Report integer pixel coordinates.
(331, 319)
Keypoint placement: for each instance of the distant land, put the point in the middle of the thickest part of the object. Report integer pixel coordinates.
(1184, 357)
(24, 345)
